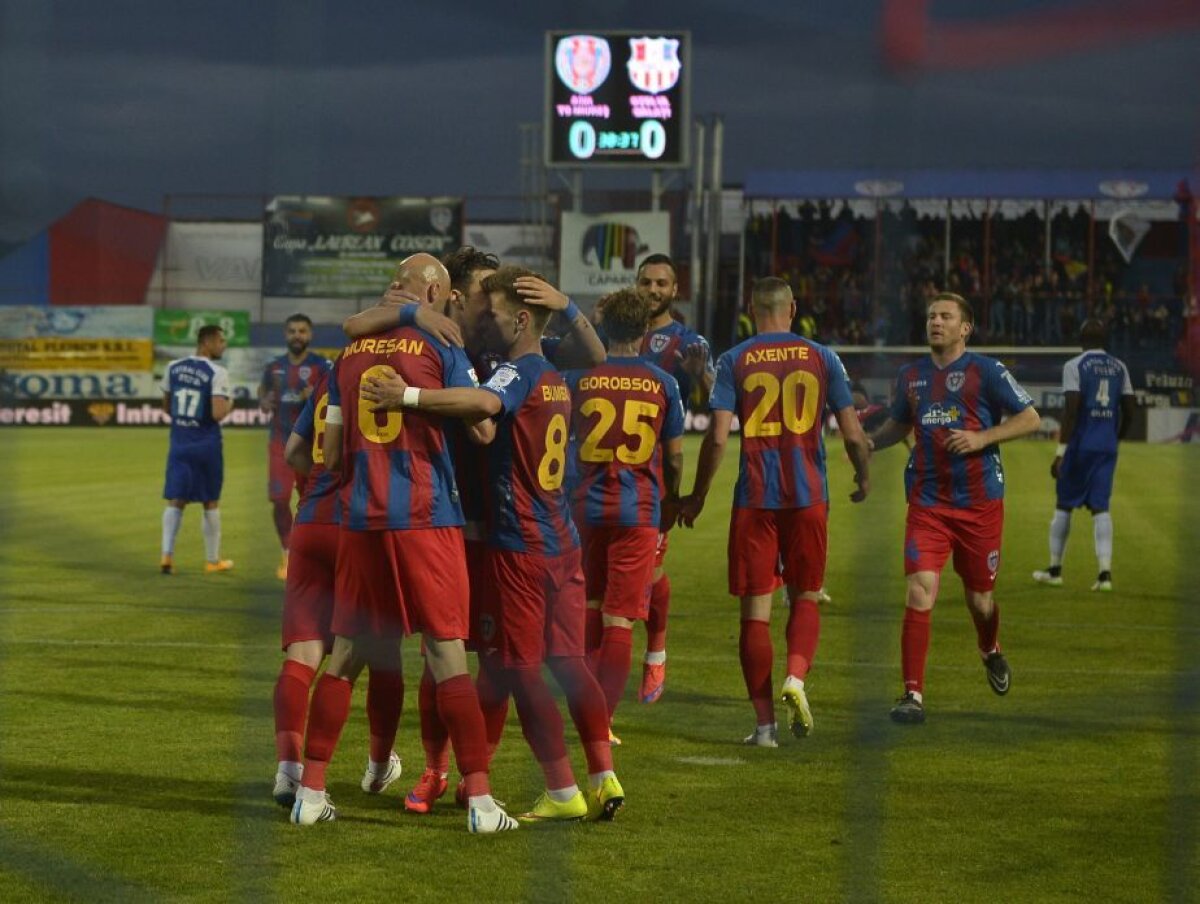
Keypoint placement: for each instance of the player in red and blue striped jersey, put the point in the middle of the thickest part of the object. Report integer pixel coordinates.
(533, 567)
(954, 400)
(308, 611)
(628, 454)
(685, 355)
(1097, 411)
(401, 565)
(779, 385)
(287, 383)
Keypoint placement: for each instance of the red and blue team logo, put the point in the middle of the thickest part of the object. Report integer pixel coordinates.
(955, 380)
(993, 561)
(654, 64)
(582, 62)
(658, 342)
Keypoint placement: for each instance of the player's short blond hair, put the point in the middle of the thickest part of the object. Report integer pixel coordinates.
(504, 282)
(964, 306)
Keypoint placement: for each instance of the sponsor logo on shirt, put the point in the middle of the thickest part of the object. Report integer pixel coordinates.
(937, 416)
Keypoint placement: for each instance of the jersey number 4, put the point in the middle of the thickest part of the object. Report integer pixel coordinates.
(637, 423)
(799, 392)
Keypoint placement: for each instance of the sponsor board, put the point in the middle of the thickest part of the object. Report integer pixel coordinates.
(601, 254)
(99, 322)
(66, 384)
(181, 327)
(110, 413)
(326, 247)
(1173, 425)
(76, 354)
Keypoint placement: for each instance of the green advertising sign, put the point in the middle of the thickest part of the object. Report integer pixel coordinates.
(180, 327)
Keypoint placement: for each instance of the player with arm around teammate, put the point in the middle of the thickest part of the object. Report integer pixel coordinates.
(627, 417)
(953, 400)
(197, 396)
(1099, 406)
(779, 385)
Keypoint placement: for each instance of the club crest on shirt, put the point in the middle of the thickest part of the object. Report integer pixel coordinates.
(955, 380)
(658, 342)
(305, 372)
(502, 377)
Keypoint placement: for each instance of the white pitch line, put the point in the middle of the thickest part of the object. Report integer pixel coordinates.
(150, 644)
(710, 761)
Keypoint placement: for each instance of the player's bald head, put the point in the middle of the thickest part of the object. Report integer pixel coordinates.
(771, 295)
(424, 275)
(1093, 333)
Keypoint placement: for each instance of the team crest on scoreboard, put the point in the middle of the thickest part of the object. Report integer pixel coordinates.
(658, 343)
(654, 64)
(582, 62)
(955, 380)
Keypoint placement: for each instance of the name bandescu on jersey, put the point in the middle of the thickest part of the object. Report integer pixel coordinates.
(527, 509)
(319, 502)
(288, 382)
(191, 383)
(780, 385)
(1101, 380)
(397, 472)
(662, 347)
(620, 412)
(972, 393)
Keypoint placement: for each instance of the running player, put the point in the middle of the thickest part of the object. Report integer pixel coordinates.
(536, 609)
(685, 355)
(286, 384)
(1098, 411)
(401, 566)
(627, 418)
(954, 400)
(308, 610)
(197, 396)
(779, 385)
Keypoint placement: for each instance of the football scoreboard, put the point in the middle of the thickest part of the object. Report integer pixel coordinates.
(618, 98)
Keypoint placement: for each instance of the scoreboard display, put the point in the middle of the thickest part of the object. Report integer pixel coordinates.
(618, 98)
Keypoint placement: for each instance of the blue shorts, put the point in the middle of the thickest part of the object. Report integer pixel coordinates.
(194, 473)
(1086, 479)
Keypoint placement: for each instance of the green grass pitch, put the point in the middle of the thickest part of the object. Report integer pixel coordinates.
(136, 752)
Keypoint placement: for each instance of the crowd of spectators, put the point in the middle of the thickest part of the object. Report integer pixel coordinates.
(862, 282)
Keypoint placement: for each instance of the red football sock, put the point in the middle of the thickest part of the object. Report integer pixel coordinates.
(434, 737)
(327, 716)
(282, 510)
(588, 708)
(757, 655)
(914, 648)
(459, 708)
(493, 700)
(616, 656)
(385, 700)
(987, 630)
(291, 709)
(803, 631)
(541, 723)
(656, 621)
(593, 636)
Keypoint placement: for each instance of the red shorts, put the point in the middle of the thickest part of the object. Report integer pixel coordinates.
(973, 534)
(395, 582)
(542, 606)
(660, 550)
(281, 478)
(618, 567)
(767, 543)
(483, 606)
(308, 594)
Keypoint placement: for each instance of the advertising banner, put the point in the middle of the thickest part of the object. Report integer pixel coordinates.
(100, 322)
(602, 253)
(325, 247)
(181, 327)
(520, 244)
(112, 413)
(204, 260)
(76, 354)
(78, 384)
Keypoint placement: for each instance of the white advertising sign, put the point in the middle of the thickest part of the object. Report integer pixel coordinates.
(599, 254)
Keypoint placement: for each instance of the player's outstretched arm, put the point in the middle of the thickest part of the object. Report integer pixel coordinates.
(401, 308)
(889, 433)
(672, 468)
(221, 406)
(712, 450)
(298, 453)
(581, 347)
(392, 393)
(694, 361)
(967, 442)
(331, 445)
(855, 441)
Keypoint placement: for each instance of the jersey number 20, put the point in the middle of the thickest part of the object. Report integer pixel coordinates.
(799, 414)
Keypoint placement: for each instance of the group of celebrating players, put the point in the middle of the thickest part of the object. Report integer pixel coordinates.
(456, 484)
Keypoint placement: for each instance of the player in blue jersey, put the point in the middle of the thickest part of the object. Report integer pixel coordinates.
(684, 354)
(197, 396)
(954, 400)
(286, 384)
(1098, 410)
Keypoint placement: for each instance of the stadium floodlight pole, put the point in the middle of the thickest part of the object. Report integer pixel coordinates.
(714, 224)
(695, 276)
